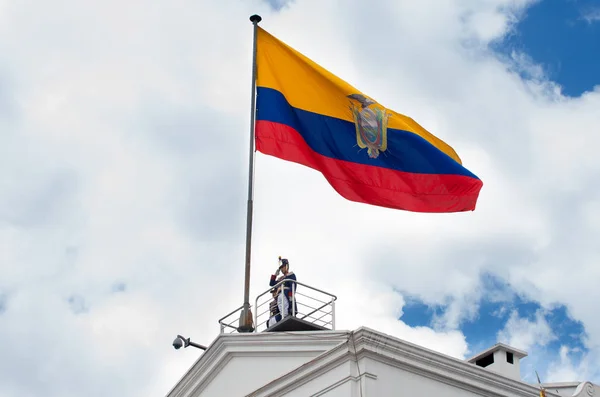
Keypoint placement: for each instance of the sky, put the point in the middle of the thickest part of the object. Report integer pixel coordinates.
(561, 37)
(123, 179)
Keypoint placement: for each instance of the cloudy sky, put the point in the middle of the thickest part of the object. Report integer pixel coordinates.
(123, 169)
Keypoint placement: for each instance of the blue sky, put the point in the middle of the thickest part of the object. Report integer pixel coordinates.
(503, 315)
(278, 5)
(563, 36)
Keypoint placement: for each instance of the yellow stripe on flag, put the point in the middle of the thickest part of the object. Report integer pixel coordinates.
(312, 88)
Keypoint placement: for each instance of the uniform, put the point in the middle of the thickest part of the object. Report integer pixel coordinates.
(284, 297)
(275, 314)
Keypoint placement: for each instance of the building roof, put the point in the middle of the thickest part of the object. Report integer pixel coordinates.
(399, 353)
(322, 349)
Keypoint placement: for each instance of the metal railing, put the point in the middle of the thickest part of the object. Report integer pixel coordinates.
(312, 305)
(229, 325)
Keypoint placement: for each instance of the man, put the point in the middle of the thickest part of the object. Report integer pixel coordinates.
(286, 289)
(275, 315)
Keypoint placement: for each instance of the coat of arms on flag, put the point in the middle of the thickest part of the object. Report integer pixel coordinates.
(371, 125)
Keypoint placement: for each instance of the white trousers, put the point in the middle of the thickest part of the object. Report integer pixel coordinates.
(283, 305)
(272, 321)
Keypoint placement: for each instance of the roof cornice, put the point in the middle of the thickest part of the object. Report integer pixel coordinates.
(440, 366)
(404, 355)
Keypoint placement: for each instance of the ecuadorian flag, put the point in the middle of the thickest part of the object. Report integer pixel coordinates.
(367, 153)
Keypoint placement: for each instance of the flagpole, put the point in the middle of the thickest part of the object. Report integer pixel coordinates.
(245, 324)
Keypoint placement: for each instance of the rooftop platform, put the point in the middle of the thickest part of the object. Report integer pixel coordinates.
(315, 312)
(291, 323)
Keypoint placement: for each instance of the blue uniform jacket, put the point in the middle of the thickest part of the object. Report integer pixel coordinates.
(286, 287)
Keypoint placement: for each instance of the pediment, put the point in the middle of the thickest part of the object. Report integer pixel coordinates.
(241, 363)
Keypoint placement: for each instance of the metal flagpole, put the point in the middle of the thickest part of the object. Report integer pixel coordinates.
(245, 324)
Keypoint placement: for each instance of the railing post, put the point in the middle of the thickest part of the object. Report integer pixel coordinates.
(332, 314)
(294, 299)
(256, 315)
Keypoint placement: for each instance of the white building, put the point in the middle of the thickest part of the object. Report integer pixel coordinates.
(305, 356)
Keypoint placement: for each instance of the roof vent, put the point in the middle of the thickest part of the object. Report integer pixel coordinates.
(501, 359)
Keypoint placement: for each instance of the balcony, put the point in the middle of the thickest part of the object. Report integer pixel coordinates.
(316, 311)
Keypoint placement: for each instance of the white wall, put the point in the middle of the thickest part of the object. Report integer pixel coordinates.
(335, 382)
(503, 367)
(392, 381)
(244, 374)
(377, 379)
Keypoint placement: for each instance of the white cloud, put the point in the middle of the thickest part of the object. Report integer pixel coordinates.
(568, 368)
(591, 15)
(123, 133)
(524, 334)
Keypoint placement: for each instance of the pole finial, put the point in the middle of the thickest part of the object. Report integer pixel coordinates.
(255, 18)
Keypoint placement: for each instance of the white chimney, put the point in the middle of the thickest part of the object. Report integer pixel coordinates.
(501, 359)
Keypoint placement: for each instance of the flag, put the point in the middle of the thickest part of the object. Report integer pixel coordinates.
(367, 153)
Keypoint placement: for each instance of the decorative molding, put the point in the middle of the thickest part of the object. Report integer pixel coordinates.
(590, 389)
(342, 382)
(426, 361)
(585, 389)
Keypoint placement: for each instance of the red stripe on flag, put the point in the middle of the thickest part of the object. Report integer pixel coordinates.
(368, 184)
